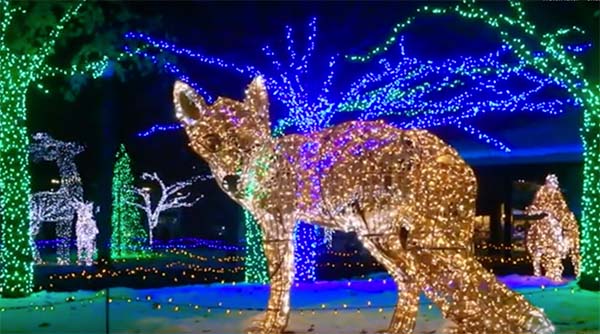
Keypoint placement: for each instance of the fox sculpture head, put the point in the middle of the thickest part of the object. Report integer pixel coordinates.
(227, 133)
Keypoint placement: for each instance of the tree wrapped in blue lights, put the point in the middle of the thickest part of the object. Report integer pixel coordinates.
(412, 92)
(306, 112)
(408, 91)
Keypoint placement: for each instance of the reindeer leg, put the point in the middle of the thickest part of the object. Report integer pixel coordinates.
(88, 255)
(36, 254)
(63, 232)
(554, 267)
(79, 253)
(405, 313)
(279, 250)
(33, 231)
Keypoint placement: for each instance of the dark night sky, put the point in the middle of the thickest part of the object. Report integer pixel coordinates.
(237, 30)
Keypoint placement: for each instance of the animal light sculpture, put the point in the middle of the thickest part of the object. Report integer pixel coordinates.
(86, 231)
(56, 206)
(556, 236)
(408, 196)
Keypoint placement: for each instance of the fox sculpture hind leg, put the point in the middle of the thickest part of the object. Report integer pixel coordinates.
(407, 304)
(408, 196)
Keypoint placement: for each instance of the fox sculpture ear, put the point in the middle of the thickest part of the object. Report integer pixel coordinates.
(189, 105)
(257, 100)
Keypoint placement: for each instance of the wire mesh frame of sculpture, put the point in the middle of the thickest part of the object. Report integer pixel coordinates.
(170, 198)
(555, 236)
(409, 197)
(86, 231)
(56, 206)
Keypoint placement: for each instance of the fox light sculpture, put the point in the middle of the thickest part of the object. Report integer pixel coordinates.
(408, 196)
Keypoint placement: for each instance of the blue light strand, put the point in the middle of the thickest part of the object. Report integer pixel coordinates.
(160, 128)
(179, 243)
(308, 116)
(173, 69)
(483, 136)
(578, 48)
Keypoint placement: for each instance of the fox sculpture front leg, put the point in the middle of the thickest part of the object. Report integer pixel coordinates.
(279, 250)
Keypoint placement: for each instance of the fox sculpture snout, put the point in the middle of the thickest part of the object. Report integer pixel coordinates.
(231, 182)
(408, 196)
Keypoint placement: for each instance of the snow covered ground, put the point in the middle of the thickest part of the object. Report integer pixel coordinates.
(322, 307)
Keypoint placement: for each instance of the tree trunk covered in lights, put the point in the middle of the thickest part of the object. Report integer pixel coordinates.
(16, 277)
(29, 33)
(590, 217)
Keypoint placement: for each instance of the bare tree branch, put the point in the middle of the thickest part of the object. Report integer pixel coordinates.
(167, 199)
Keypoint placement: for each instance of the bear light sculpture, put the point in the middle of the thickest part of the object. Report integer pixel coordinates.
(556, 235)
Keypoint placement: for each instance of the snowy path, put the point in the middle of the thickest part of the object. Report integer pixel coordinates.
(323, 307)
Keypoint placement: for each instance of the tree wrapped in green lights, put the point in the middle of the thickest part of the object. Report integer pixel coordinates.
(31, 36)
(556, 63)
(128, 237)
(23, 62)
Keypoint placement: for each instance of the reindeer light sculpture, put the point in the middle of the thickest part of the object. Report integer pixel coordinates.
(408, 196)
(56, 206)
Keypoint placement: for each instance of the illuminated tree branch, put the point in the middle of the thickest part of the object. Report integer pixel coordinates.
(170, 198)
(47, 47)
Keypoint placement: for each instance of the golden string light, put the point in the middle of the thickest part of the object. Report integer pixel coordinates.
(185, 272)
(556, 235)
(408, 196)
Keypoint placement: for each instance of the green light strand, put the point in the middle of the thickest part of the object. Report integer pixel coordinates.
(255, 261)
(557, 64)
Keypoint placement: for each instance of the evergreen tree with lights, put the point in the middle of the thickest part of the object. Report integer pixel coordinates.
(128, 236)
